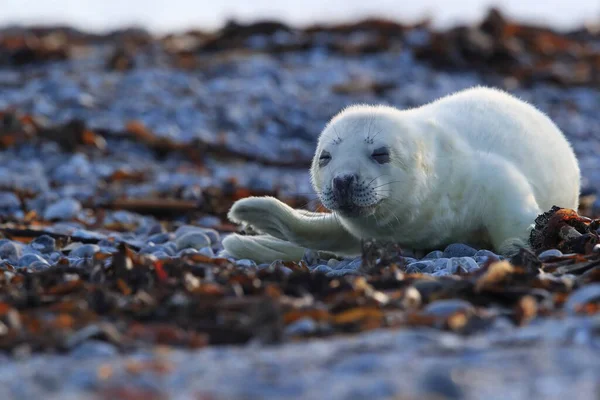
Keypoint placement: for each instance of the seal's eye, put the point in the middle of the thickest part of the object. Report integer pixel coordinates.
(381, 155)
(324, 158)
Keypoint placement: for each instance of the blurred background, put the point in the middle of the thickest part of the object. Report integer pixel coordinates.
(175, 15)
(233, 94)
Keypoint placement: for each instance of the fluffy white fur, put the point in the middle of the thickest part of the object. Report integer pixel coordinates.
(475, 167)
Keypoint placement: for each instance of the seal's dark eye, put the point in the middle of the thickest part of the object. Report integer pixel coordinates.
(324, 158)
(381, 155)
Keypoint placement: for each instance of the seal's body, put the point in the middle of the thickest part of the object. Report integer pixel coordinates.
(475, 167)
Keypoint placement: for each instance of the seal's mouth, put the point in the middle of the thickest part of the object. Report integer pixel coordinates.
(354, 211)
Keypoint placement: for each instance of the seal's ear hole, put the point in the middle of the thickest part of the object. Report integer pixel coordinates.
(324, 158)
(381, 155)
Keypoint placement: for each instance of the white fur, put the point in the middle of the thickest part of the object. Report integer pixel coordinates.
(475, 167)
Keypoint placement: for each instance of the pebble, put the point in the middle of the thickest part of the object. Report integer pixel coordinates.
(29, 259)
(426, 266)
(38, 265)
(549, 254)
(341, 272)
(207, 251)
(159, 238)
(303, 326)
(94, 349)
(459, 250)
(245, 263)
(186, 252)
(585, 295)
(44, 244)
(195, 240)
(64, 209)
(10, 251)
(445, 308)
(486, 253)
(9, 202)
(332, 263)
(85, 251)
(467, 264)
(434, 254)
(322, 269)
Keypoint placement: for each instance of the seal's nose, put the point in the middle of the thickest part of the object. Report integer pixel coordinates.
(342, 187)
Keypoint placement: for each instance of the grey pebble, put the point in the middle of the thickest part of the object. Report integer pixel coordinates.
(159, 238)
(161, 255)
(186, 252)
(426, 266)
(207, 251)
(38, 265)
(63, 209)
(459, 250)
(444, 308)
(332, 263)
(303, 326)
(94, 349)
(550, 253)
(212, 234)
(467, 264)
(195, 240)
(43, 244)
(245, 263)
(9, 202)
(29, 259)
(486, 253)
(342, 272)
(10, 251)
(434, 254)
(587, 294)
(85, 251)
(322, 268)
(442, 263)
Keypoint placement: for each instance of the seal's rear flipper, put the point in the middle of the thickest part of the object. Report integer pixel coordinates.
(261, 248)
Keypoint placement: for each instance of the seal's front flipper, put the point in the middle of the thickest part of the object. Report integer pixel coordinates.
(261, 248)
(315, 231)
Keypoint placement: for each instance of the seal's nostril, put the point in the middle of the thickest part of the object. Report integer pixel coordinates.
(342, 186)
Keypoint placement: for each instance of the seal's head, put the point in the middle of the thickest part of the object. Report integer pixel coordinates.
(367, 161)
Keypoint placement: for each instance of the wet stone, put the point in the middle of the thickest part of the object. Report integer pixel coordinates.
(589, 294)
(187, 252)
(322, 269)
(442, 264)
(64, 209)
(549, 254)
(445, 308)
(9, 202)
(434, 254)
(342, 272)
(196, 240)
(43, 244)
(85, 251)
(38, 265)
(10, 251)
(332, 263)
(159, 238)
(94, 349)
(304, 326)
(426, 266)
(161, 255)
(29, 259)
(207, 251)
(245, 263)
(486, 253)
(459, 250)
(466, 264)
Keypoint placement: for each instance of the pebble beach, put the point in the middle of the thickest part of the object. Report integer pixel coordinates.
(120, 154)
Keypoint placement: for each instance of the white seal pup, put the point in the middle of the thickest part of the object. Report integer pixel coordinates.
(475, 167)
